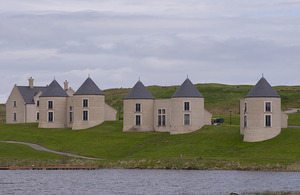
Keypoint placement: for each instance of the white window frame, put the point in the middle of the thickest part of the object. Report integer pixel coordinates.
(52, 117)
(88, 115)
(265, 120)
(141, 120)
(48, 104)
(161, 115)
(88, 103)
(190, 118)
(140, 108)
(71, 112)
(190, 106)
(265, 105)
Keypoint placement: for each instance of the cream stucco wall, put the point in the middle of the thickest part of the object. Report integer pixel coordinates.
(59, 110)
(256, 129)
(110, 113)
(146, 113)
(15, 95)
(197, 115)
(95, 111)
(162, 104)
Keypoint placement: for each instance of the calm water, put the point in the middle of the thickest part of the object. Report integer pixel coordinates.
(145, 182)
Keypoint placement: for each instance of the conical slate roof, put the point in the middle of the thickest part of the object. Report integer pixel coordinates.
(187, 89)
(139, 91)
(262, 89)
(54, 90)
(89, 88)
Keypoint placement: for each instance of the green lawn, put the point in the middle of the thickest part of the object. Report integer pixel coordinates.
(221, 143)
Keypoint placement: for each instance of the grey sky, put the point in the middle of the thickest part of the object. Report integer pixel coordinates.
(118, 41)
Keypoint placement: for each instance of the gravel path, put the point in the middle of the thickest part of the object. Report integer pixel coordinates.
(42, 148)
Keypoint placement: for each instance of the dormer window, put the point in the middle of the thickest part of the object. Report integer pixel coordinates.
(268, 107)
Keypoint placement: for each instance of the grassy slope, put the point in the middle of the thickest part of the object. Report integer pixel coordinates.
(218, 143)
(219, 98)
(2, 113)
(212, 142)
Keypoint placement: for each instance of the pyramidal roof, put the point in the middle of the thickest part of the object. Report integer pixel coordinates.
(88, 88)
(187, 89)
(262, 89)
(139, 91)
(54, 90)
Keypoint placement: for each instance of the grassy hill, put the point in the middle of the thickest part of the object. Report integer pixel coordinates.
(219, 98)
(212, 147)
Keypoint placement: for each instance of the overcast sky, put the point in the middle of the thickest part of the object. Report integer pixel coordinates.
(118, 41)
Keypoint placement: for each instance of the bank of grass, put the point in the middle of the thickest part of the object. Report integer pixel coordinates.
(219, 98)
(2, 113)
(212, 147)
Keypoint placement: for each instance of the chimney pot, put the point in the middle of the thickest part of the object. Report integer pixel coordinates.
(31, 82)
(66, 85)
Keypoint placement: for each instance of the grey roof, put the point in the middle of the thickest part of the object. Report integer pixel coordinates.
(28, 93)
(54, 90)
(187, 89)
(89, 88)
(262, 89)
(139, 91)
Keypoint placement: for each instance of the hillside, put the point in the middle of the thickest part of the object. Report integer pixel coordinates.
(219, 98)
(2, 113)
(213, 147)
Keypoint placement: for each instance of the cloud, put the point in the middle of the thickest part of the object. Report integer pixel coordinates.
(161, 42)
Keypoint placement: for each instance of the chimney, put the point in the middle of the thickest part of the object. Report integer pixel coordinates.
(66, 85)
(31, 82)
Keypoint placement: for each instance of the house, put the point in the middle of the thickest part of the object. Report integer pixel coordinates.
(261, 117)
(56, 107)
(183, 113)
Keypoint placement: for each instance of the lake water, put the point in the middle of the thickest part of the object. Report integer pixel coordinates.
(124, 181)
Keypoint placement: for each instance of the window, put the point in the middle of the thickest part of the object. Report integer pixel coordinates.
(50, 104)
(268, 107)
(137, 120)
(268, 121)
(15, 103)
(15, 116)
(186, 106)
(138, 107)
(245, 108)
(38, 103)
(37, 116)
(245, 121)
(85, 103)
(187, 120)
(85, 115)
(50, 116)
(71, 114)
(161, 117)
